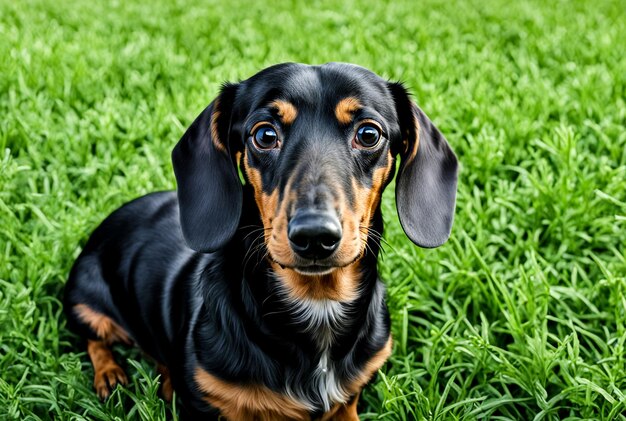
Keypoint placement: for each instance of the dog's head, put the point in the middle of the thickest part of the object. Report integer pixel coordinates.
(318, 145)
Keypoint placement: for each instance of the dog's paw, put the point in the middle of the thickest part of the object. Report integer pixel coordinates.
(167, 391)
(106, 379)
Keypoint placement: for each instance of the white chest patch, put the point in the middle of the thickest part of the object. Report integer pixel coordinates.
(329, 387)
(322, 319)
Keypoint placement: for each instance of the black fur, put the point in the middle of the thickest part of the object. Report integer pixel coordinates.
(220, 310)
(426, 186)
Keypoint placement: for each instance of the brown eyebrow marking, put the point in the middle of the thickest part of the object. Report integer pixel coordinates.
(286, 110)
(345, 108)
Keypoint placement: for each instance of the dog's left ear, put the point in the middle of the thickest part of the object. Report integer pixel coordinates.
(209, 190)
(427, 179)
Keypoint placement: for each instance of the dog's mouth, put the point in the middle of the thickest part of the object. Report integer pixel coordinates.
(309, 269)
(314, 270)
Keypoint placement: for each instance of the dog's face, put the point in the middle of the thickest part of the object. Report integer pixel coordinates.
(318, 145)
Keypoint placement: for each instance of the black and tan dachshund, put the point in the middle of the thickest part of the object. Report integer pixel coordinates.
(255, 285)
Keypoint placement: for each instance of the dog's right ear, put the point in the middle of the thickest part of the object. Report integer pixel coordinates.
(209, 190)
(427, 179)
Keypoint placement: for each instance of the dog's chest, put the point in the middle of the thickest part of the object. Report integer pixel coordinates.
(324, 320)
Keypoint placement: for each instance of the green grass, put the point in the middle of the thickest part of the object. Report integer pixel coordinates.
(521, 315)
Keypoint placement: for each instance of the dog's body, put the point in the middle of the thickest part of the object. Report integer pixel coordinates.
(262, 301)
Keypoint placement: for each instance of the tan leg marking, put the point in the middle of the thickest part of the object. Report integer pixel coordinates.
(107, 373)
(248, 402)
(167, 391)
(103, 326)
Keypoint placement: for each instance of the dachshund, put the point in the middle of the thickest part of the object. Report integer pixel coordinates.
(254, 286)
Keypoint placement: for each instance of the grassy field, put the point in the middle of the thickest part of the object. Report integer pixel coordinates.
(521, 315)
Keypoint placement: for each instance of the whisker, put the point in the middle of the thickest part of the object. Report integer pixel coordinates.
(253, 232)
(376, 235)
(253, 250)
(261, 258)
(258, 244)
(252, 226)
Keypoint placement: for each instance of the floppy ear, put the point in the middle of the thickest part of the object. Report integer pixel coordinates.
(426, 182)
(209, 190)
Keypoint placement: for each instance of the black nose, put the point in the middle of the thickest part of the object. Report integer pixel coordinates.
(314, 235)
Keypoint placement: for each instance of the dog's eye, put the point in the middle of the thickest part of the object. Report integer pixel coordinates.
(265, 137)
(367, 136)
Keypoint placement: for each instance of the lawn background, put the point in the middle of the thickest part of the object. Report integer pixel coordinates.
(520, 315)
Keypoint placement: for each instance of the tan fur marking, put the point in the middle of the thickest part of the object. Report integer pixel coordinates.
(278, 243)
(340, 285)
(215, 137)
(248, 402)
(103, 326)
(358, 220)
(286, 111)
(369, 198)
(167, 390)
(411, 154)
(107, 373)
(266, 203)
(345, 108)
